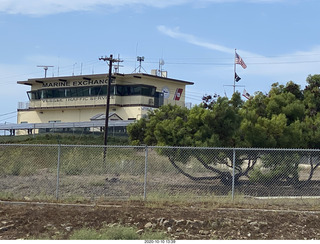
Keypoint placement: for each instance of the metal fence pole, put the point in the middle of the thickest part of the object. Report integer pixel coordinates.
(58, 171)
(233, 172)
(145, 174)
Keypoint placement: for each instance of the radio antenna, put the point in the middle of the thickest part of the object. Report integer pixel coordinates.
(140, 60)
(45, 67)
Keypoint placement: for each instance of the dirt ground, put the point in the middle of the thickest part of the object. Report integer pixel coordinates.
(190, 221)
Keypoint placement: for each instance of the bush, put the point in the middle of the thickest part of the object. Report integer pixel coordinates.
(115, 233)
(276, 168)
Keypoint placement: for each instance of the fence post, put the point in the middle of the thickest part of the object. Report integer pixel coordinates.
(145, 173)
(233, 171)
(58, 171)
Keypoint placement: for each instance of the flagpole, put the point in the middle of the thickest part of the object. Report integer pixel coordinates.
(234, 69)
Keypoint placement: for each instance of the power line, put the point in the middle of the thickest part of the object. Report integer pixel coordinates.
(228, 64)
(288, 62)
(184, 61)
(131, 59)
(8, 118)
(8, 113)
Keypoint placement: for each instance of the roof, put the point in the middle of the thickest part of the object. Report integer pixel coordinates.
(160, 77)
(32, 81)
(103, 116)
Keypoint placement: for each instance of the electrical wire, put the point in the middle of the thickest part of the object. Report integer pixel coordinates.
(8, 118)
(172, 61)
(8, 113)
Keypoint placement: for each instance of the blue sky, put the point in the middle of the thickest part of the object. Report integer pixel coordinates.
(278, 39)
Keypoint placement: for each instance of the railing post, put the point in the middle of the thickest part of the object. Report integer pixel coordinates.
(145, 173)
(58, 171)
(233, 171)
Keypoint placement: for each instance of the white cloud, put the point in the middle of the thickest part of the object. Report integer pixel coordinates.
(45, 7)
(295, 65)
(243, 1)
(176, 34)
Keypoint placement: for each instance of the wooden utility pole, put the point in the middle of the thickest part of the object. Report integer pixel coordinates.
(110, 60)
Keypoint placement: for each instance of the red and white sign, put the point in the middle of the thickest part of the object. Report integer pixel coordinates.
(178, 94)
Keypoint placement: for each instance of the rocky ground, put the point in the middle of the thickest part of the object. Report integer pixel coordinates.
(180, 221)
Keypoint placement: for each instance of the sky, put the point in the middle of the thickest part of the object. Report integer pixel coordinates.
(279, 40)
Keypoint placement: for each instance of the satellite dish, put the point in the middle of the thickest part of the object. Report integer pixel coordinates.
(161, 62)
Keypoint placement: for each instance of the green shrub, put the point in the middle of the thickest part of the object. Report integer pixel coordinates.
(115, 233)
(275, 168)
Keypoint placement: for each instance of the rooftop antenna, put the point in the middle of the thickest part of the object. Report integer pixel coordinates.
(140, 60)
(161, 63)
(45, 67)
(73, 69)
(117, 66)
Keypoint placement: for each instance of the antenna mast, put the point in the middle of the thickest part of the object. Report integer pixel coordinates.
(45, 67)
(117, 66)
(161, 63)
(140, 60)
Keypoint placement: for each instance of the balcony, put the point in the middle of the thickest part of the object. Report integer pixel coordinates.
(93, 102)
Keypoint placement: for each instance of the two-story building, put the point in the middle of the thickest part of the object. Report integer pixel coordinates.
(83, 98)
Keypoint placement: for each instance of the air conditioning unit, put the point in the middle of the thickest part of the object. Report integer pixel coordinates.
(164, 74)
(154, 72)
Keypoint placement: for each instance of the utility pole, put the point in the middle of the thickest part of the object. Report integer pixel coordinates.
(110, 60)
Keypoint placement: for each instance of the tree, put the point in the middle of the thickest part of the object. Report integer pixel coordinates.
(164, 126)
(286, 117)
(274, 120)
(294, 89)
(215, 125)
(137, 131)
(312, 95)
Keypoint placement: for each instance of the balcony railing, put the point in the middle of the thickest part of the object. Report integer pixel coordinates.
(92, 101)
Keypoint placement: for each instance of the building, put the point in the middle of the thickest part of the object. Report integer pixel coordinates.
(83, 98)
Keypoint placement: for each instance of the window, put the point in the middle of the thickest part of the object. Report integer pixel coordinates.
(148, 91)
(96, 91)
(48, 93)
(136, 90)
(118, 90)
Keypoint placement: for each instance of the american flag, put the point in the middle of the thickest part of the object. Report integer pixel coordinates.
(240, 61)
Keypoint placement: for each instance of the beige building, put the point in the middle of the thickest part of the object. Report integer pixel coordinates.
(83, 98)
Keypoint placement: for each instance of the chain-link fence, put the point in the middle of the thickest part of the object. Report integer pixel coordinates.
(126, 172)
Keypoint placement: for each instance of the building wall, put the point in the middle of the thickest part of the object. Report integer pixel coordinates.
(78, 115)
